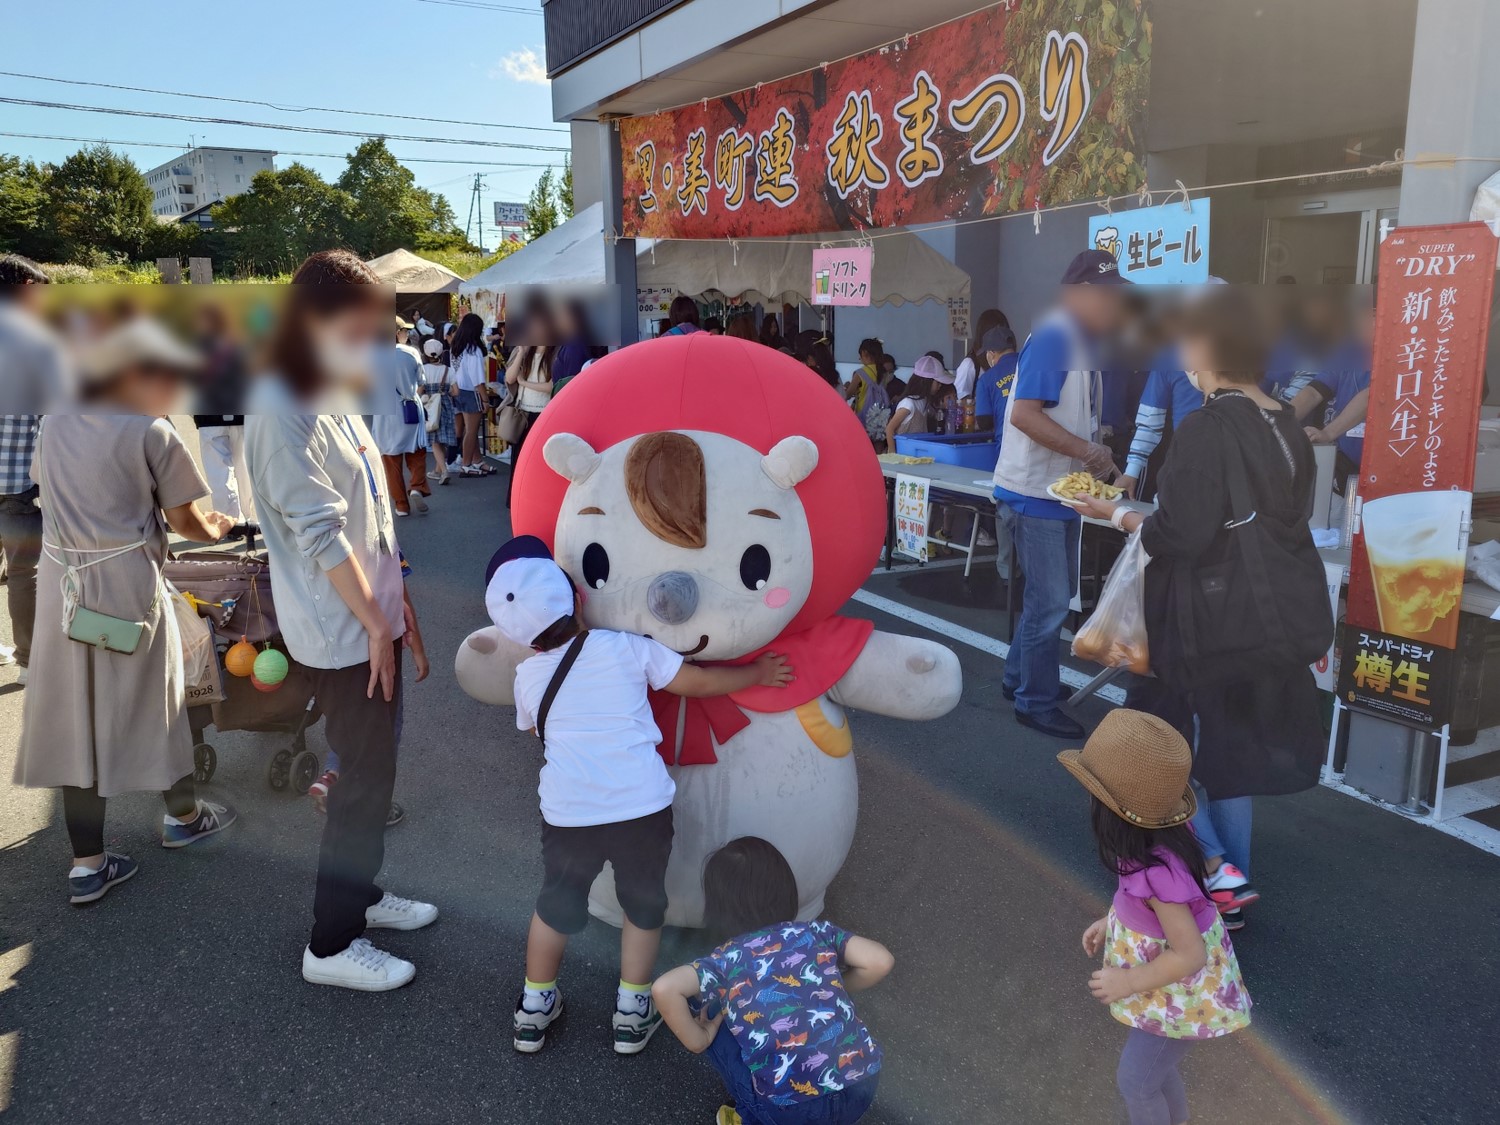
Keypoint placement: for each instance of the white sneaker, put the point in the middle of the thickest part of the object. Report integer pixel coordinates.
(361, 967)
(7, 655)
(393, 913)
(418, 502)
(21, 678)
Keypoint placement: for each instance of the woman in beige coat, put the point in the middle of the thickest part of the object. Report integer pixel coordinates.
(98, 722)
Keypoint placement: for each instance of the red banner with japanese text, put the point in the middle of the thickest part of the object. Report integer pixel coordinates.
(999, 111)
(1406, 573)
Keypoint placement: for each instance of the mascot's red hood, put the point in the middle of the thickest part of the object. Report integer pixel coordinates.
(745, 391)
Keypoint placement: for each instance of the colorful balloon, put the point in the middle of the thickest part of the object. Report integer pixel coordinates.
(271, 667)
(240, 659)
(259, 685)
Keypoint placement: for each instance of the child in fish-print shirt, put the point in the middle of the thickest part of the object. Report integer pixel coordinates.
(771, 1006)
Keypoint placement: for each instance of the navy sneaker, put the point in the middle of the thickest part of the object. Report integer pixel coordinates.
(211, 818)
(95, 885)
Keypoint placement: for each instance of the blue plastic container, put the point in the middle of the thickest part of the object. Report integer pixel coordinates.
(973, 451)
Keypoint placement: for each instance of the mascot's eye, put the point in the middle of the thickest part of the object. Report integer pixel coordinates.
(755, 567)
(595, 566)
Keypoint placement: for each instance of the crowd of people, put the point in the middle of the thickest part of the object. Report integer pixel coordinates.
(93, 477)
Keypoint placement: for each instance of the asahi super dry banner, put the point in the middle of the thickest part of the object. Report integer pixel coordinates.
(995, 112)
(1416, 481)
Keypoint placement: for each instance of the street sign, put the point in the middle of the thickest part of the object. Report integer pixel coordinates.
(510, 214)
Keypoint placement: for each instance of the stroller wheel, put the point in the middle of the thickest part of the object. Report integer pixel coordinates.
(304, 771)
(205, 761)
(279, 773)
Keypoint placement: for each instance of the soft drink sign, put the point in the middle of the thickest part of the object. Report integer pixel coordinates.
(1406, 573)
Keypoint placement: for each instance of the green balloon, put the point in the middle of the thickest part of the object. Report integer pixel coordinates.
(271, 667)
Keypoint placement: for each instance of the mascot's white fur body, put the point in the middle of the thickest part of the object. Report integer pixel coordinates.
(702, 542)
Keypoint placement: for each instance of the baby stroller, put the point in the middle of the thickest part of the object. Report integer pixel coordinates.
(233, 591)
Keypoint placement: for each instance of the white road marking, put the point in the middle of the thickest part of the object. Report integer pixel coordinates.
(1111, 693)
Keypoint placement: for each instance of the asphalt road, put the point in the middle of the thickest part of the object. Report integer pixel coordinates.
(1372, 957)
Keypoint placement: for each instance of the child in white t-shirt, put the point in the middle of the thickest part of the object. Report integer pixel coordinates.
(605, 791)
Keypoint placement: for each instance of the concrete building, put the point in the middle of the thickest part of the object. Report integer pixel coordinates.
(1237, 92)
(204, 176)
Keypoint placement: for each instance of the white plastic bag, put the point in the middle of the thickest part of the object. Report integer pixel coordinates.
(1115, 636)
(197, 639)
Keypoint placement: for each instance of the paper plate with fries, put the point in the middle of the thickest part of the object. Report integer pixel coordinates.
(1076, 485)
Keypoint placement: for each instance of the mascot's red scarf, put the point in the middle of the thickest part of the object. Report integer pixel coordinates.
(819, 657)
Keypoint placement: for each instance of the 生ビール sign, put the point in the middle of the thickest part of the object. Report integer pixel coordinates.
(1010, 108)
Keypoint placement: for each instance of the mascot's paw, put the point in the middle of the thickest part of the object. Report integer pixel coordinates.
(485, 666)
(920, 662)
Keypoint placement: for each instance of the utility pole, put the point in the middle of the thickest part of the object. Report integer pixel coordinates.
(476, 209)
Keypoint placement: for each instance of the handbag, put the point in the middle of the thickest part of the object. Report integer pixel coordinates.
(511, 421)
(432, 405)
(411, 412)
(1264, 608)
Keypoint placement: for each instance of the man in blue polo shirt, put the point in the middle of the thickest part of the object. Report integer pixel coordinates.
(1051, 430)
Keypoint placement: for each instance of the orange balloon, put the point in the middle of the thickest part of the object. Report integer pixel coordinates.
(240, 659)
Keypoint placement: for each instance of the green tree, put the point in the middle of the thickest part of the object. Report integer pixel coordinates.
(285, 216)
(541, 207)
(97, 202)
(565, 189)
(23, 190)
(388, 213)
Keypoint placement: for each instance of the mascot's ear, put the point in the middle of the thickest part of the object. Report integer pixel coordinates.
(790, 462)
(570, 456)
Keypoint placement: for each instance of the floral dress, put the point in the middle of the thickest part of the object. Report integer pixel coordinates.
(1210, 1003)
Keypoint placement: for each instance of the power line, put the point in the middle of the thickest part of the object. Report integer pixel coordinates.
(364, 135)
(328, 155)
(279, 108)
(485, 7)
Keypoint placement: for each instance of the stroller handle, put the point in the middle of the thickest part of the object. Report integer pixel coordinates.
(246, 531)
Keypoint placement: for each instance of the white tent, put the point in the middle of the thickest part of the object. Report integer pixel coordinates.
(764, 272)
(568, 256)
(407, 273)
(906, 269)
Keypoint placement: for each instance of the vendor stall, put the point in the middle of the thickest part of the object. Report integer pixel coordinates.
(422, 287)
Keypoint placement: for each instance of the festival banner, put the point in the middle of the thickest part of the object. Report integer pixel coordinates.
(999, 111)
(1406, 573)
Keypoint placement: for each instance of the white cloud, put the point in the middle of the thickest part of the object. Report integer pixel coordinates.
(523, 65)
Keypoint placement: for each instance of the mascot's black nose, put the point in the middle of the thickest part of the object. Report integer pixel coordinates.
(673, 597)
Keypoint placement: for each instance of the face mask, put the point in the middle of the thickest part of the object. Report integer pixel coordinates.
(1192, 377)
(345, 364)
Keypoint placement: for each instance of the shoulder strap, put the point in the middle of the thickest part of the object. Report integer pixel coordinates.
(563, 668)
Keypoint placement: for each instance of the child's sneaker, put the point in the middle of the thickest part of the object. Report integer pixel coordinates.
(94, 885)
(531, 1027)
(361, 967)
(1233, 920)
(728, 1115)
(211, 818)
(634, 1030)
(1229, 888)
(396, 815)
(318, 791)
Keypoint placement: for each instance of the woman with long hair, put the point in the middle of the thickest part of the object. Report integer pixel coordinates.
(325, 513)
(529, 372)
(741, 327)
(977, 361)
(469, 372)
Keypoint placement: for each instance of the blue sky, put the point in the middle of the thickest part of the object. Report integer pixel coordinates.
(390, 56)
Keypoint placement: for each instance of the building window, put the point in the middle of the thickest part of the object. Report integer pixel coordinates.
(238, 159)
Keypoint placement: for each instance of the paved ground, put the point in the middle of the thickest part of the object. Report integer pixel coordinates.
(1372, 957)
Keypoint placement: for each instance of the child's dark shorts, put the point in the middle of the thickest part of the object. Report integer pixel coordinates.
(572, 857)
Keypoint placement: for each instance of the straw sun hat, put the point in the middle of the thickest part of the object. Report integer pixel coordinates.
(1138, 766)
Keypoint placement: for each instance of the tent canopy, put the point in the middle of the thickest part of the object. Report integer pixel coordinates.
(567, 256)
(905, 269)
(407, 273)
(769, 272)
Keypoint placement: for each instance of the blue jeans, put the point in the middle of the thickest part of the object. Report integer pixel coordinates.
(1047, 553)
(843, 1107)
(1223, 828)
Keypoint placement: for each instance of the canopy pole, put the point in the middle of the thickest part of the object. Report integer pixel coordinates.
(619, 253)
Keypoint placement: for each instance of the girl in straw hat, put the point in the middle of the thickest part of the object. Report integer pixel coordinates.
(1169, 970)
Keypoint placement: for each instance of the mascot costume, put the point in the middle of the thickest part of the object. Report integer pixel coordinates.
(717, 496)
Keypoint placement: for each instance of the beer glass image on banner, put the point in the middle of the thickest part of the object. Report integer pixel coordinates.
(1415, 545)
